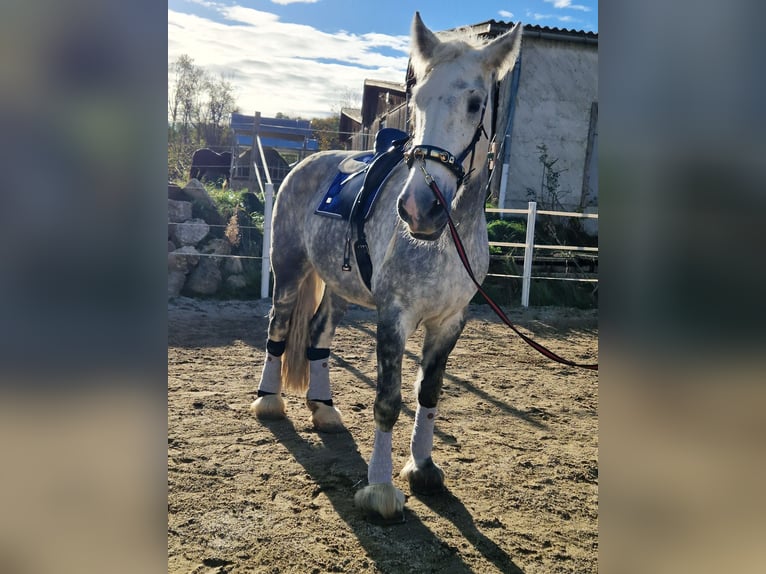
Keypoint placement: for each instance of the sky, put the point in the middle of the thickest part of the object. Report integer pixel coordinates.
(305, 58)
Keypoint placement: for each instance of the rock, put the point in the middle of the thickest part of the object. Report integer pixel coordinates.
(205, 278)
(176, 280)
(217, 247)
(175, 192)
(195, 191)
(179, 211)
(180, 262)
(236, 282)
(190, 232)
(183, 259)
(171, 246)
(204, 206)
(232, 266)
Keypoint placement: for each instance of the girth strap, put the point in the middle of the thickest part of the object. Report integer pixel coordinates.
(376, 175)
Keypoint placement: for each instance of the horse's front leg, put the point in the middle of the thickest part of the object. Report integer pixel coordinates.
(424, 476)
(380, 496)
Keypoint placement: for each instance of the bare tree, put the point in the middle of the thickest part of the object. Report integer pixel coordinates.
(184, 96)
(216, 110)
(348, 98)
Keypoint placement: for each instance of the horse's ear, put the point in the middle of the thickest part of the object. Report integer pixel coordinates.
(423, 44)
(504, 50)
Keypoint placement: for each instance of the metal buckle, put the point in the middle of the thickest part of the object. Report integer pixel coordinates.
(427, 175)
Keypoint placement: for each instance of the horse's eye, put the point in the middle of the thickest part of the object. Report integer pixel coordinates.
(474, 105)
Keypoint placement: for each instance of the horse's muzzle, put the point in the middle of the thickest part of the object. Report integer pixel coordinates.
(425, 219)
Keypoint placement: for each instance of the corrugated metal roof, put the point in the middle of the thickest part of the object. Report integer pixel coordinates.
(494, 28)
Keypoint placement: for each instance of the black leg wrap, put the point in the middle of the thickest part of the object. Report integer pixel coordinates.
(276, 348)
(265, 394)
(314, 354)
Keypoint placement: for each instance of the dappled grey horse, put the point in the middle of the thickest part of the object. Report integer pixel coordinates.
(417, 277)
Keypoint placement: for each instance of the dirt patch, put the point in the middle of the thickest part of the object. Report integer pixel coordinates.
(517, 437)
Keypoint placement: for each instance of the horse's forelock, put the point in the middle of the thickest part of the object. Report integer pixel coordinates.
(453, 44)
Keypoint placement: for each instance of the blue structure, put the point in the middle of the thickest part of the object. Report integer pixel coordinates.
(275, 135)
(279, 133)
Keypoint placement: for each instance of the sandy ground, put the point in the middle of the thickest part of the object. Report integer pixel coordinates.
(517, 437)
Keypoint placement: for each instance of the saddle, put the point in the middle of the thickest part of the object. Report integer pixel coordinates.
(340, 201)
(371, 167)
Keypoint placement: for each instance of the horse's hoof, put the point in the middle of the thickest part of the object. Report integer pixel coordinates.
(381, 502)
(325, 418)
(426, 479)
(269, 407)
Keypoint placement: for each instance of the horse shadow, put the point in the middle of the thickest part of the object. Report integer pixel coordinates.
(450, 507)
(339, 486)
(464, 384)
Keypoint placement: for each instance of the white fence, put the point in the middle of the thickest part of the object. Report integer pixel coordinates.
(529, 246)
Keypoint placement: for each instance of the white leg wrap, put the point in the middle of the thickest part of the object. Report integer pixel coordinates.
(422, 441)
(271, 376)
(381, 467)
(319, 380)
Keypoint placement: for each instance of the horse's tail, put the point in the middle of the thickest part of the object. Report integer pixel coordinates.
(295, 365)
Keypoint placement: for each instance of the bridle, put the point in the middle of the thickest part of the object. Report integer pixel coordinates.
(421, 153)
(453, 163)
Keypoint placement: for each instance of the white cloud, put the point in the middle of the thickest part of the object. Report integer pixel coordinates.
(537, 16)
(568, 4)
(278, 66)
(205, 3)
(505, 14)
(286, 2)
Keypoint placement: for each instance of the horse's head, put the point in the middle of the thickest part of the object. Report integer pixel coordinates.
(454, 83)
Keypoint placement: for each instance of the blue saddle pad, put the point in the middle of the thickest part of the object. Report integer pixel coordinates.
(339, 198)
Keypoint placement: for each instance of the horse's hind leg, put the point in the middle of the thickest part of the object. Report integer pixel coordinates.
(319, 395)
(424, 476)
(269, 404)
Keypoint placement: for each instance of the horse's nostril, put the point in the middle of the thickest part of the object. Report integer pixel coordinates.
(435, 209)
(403, 212)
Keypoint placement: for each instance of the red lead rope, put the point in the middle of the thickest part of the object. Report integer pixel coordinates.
(495, 307)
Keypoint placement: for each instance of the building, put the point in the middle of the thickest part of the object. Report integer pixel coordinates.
(549, 104)
(350, 123)
(384, 104)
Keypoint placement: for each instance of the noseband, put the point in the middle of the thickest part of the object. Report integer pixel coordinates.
(452, 163)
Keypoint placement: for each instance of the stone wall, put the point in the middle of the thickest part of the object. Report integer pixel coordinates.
(200, 245)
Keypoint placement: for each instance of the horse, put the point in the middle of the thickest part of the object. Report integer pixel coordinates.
(211, 165)
(417, 276)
